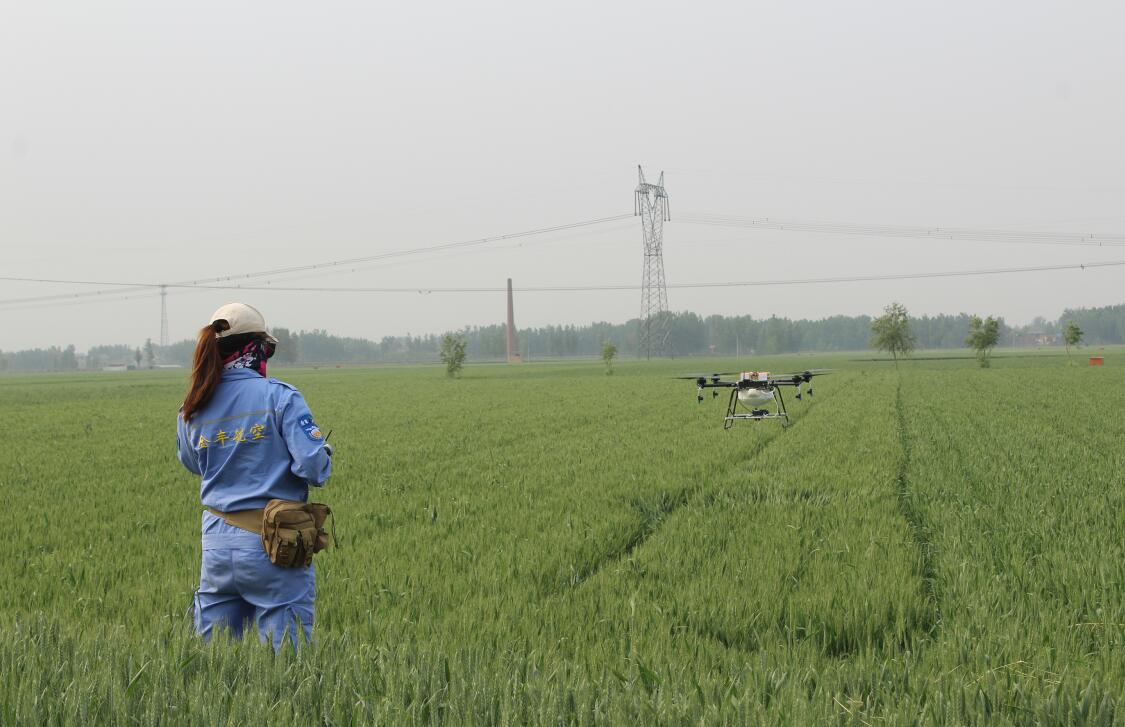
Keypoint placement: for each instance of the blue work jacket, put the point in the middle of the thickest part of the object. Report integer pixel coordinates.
(254, 441)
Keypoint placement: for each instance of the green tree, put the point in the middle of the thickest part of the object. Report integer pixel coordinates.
(287, 348)
(137, 356)
(1072, 335)
(890, 332)
(493, 341)
(452, 353)
(69, 359)
(609, 351)
(772, 338)
(983, 335)
(150, 353)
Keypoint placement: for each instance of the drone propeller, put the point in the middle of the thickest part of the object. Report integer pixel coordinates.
(801, 376)
(693, 377)
(816, 372)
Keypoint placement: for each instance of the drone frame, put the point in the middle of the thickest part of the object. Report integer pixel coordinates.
(756, 415)
(771, 384)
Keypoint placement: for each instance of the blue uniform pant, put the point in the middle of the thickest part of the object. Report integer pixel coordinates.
(238, 585)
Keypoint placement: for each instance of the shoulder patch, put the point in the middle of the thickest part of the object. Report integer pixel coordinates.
(309, 427)
(282, 383)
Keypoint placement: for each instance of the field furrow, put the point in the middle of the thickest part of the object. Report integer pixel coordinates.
(747, 442)
(920, 530)
(1022, 516)
(933, 544)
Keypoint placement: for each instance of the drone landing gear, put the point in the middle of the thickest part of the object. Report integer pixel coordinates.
(756, 415)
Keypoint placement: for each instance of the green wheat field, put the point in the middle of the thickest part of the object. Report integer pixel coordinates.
(547, 545)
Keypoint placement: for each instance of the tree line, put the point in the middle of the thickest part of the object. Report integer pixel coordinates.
(892, 332)
(689, 334)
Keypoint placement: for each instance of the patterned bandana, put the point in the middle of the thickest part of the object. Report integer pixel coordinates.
(252, 356)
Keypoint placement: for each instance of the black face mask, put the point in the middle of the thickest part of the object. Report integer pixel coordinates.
(270, 348)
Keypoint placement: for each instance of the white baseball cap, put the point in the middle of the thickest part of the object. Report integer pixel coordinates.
(241, 318)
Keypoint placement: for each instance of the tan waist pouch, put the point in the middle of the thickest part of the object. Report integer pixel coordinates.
(292, 532)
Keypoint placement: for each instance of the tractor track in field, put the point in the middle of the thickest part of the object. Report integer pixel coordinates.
(655, 515)
(748, 643)
(744, 644)
(654, 518)
(919, 530)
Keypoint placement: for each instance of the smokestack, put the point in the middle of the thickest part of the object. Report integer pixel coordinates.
(513, 355)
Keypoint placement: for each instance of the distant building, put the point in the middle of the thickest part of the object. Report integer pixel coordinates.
(119, 366)
(1037, 338)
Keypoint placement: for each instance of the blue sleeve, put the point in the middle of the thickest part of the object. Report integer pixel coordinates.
(304, 440)
(184, 450)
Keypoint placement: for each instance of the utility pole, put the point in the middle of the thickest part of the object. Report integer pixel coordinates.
(163, 316)
(513, 355)
(651, 203)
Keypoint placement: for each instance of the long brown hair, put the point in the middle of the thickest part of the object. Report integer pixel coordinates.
(206, 369)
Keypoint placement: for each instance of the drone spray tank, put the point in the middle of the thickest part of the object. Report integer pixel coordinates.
(754, 397)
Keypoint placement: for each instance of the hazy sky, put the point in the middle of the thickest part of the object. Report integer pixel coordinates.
(158, 142)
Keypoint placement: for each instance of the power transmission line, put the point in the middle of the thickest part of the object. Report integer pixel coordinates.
(726, 284)
(815, 226)
(421, 290)
(417, 250)
(291, 269)
(148, 292)
(904, 231)
(131, 289)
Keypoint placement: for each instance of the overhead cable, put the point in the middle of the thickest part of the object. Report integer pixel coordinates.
(294, 268)
(633, 287)
(126, 289)
(969, 234)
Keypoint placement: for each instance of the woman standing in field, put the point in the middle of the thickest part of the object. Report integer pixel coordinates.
(253, 440)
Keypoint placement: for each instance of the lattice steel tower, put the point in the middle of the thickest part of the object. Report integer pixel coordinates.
(651, 203)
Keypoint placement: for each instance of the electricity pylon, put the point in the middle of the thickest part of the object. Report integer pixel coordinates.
(651, 203)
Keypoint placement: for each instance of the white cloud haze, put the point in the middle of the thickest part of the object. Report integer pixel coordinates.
(158, 142)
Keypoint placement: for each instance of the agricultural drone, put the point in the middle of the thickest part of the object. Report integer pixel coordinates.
(755, 391)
